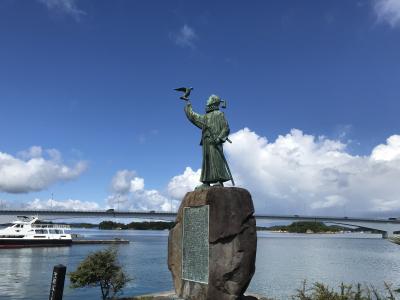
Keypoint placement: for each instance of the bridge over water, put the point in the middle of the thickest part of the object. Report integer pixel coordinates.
(388, 227)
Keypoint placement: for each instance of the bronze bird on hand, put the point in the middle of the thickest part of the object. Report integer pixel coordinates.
(186, 92)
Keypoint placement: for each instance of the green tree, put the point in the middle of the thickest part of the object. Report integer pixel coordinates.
(100, 268)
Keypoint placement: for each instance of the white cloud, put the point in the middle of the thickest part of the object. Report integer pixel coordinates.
(128, 192)
(299, 173)
(34, 170)
(32, 152)
(329, 201)
(125, 181)
(389, 151)
(67, 7)
(185, 37)
(69, 204)
(295, 174)
(137, 184)
(388, 11)
(385, 206)
(181, 184)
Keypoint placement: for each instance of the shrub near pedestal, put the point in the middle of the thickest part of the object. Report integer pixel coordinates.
(100, 268)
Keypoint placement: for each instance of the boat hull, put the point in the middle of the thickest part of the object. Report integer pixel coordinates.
(22, 243)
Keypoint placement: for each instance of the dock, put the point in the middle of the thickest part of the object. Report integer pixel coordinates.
(92, 242)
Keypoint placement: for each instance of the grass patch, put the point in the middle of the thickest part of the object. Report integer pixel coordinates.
(320, 291)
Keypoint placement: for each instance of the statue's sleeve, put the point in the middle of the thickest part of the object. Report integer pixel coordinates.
(225, 128)
(195, 118)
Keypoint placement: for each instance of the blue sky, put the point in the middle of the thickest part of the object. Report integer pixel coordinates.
(94, 80)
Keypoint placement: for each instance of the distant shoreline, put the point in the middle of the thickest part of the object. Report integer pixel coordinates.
(295, 227)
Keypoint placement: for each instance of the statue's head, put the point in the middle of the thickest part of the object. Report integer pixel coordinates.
(213, 103)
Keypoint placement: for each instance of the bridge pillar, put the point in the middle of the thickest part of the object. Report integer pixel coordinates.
(387, 234)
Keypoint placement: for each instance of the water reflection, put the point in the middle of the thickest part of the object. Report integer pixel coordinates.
(20, 267)
(283, 262)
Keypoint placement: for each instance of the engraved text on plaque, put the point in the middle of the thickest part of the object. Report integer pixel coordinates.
(195, 244)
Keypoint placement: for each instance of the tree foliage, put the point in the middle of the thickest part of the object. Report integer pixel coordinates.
(153, 225)
(100, 268)
(303, 226)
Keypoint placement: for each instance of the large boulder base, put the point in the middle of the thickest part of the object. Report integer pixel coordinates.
(232, 245)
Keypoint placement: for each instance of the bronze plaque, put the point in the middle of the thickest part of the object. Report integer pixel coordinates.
(195, 244)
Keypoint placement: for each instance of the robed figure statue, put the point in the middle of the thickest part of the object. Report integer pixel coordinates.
(215, 131)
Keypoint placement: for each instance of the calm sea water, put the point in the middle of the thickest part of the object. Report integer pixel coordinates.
(283, 262)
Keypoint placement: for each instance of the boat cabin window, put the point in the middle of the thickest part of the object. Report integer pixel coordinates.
(41, 231)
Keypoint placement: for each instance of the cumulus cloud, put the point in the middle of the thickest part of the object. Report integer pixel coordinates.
(299, 173)
(389, 151)
(67, 7)
(35, 169)
(128, 192)
(68, 204)
(296, 173)
(388, 11)
(32, 152)
(181, 184)
(185, 37)
(126, 181)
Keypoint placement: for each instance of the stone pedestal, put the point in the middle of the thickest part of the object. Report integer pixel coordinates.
(212, 247)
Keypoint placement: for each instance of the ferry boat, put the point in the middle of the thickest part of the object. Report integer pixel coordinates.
(25, 233)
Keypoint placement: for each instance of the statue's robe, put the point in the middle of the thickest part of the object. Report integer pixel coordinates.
(214, 127)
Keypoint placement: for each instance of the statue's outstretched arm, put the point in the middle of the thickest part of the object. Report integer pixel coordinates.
(195, 118)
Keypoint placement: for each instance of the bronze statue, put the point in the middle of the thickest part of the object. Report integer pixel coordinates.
(215, 131)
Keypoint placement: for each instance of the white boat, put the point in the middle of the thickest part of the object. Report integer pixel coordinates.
(25, 233)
